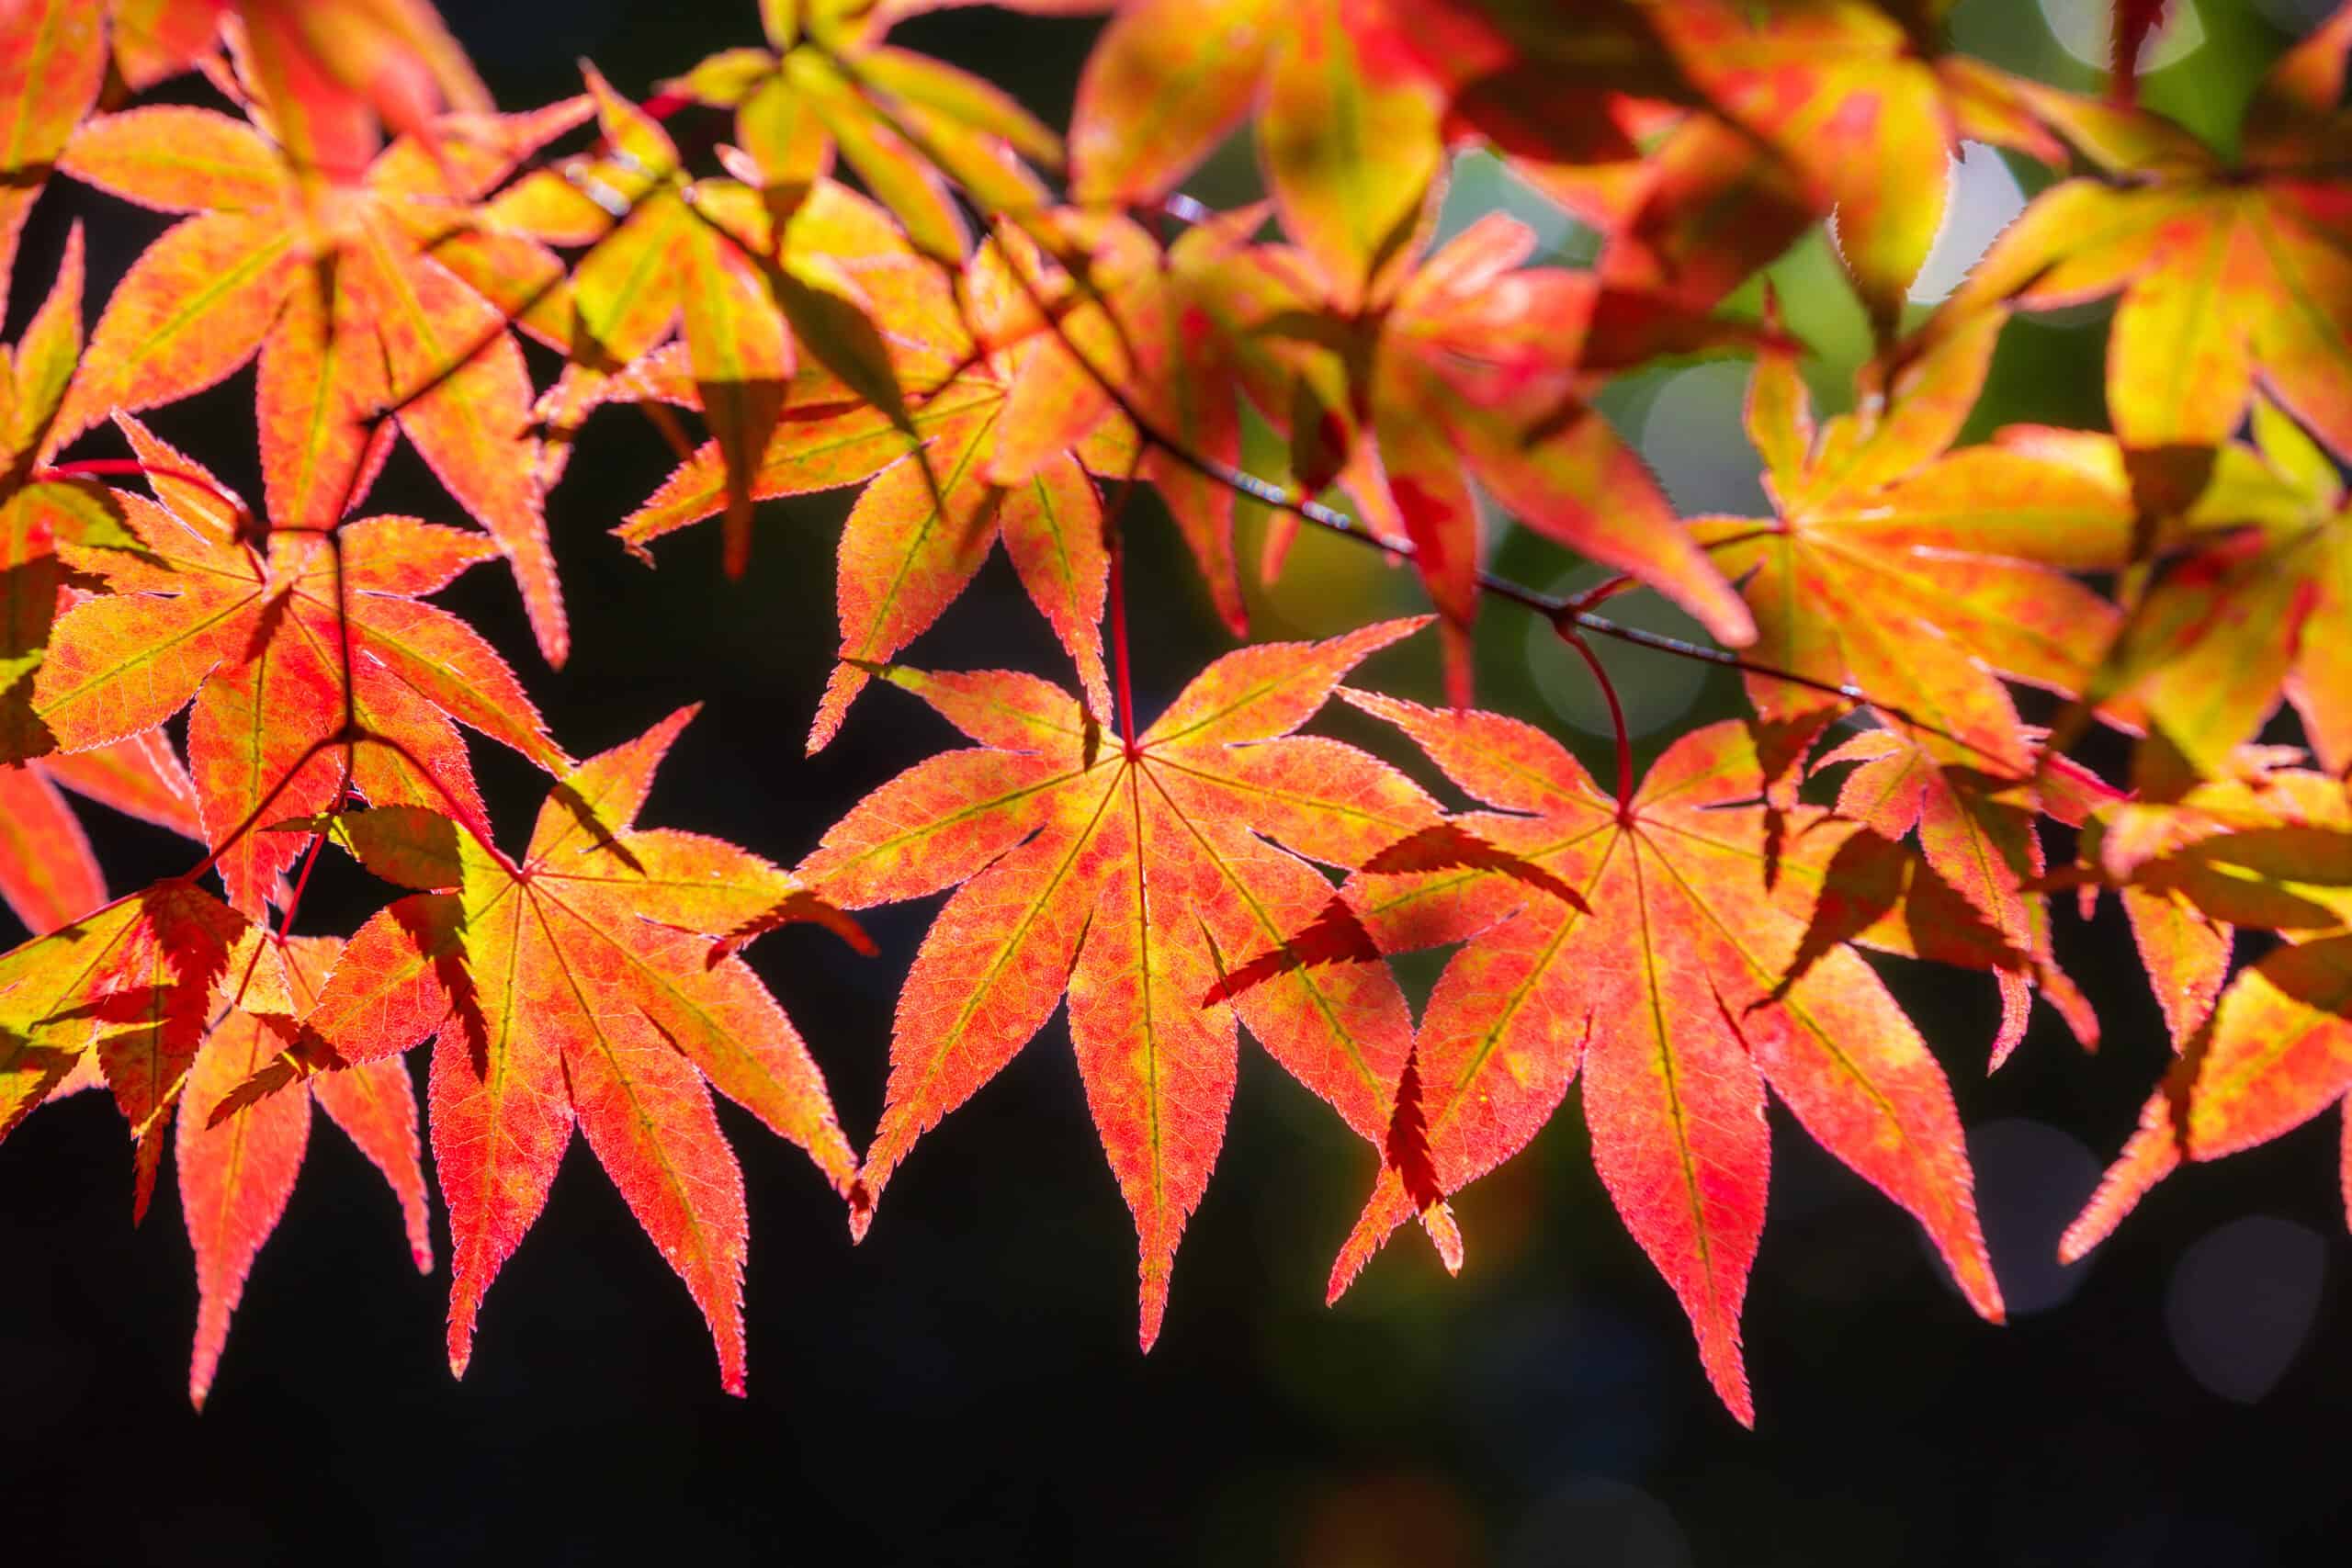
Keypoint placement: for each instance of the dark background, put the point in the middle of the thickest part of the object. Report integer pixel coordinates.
(965, 1387)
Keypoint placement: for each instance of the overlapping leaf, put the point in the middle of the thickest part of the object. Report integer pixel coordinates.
(1918, 574)
(48, 873)
(131, 984)
(2270, 850)
(756, 281)
(1472, 367)
(328, 72)
(350, 315)
(2231, 274)
(236, 1175)
(1857, 99)
(932, 504)
(267, 639)
(1131, 879)
(1347, 120)
(52, 59)
(2255, 605)
(827, 87)
(574, 987)
(1923, 576)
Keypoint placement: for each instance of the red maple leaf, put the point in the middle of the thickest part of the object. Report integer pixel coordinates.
(1681, 987)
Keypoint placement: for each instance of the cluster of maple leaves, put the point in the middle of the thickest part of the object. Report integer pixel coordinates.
(884, 273)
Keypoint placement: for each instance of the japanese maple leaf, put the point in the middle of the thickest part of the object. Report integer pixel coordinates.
(1139, 353)
(264, 638)
(132, 984)
(1641, 943)
(753, 284)
(36, 512)
(2183, 901)
(1469, 365)
(236, 1175)
(1864, 106)
(827, 86)
(1346, 119)
(52, 59)
(1855, 100)
(931, 510)
(48, 874)
(1982, 838)
(349, 314)
(2256, 604)
(2232, 274)
(1923, 577)
(331, 71)
(1571, 111)
(1129, 877)
(576, 987)
(1919, 575)
(2272, 850)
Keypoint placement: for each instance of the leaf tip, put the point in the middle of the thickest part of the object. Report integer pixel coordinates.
(1446, 1234)
(1154, 1312)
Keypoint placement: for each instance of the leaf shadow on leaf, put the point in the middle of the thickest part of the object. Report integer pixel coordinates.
(1865, 881)
(1447, 846)
(28, 589)
(435, 923)
(265, 627)
(1336, 935)
(795, 908)
(2238, 876)
(43, 1067)
(1406, 1148)
(583, 813)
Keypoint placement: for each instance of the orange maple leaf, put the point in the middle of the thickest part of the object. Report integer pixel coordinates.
(236, 1175)
(2231, 273)
(363, 311)
(1131, 877)
(131, 984)
(270, 638)
(939, 492)
(574, 987)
